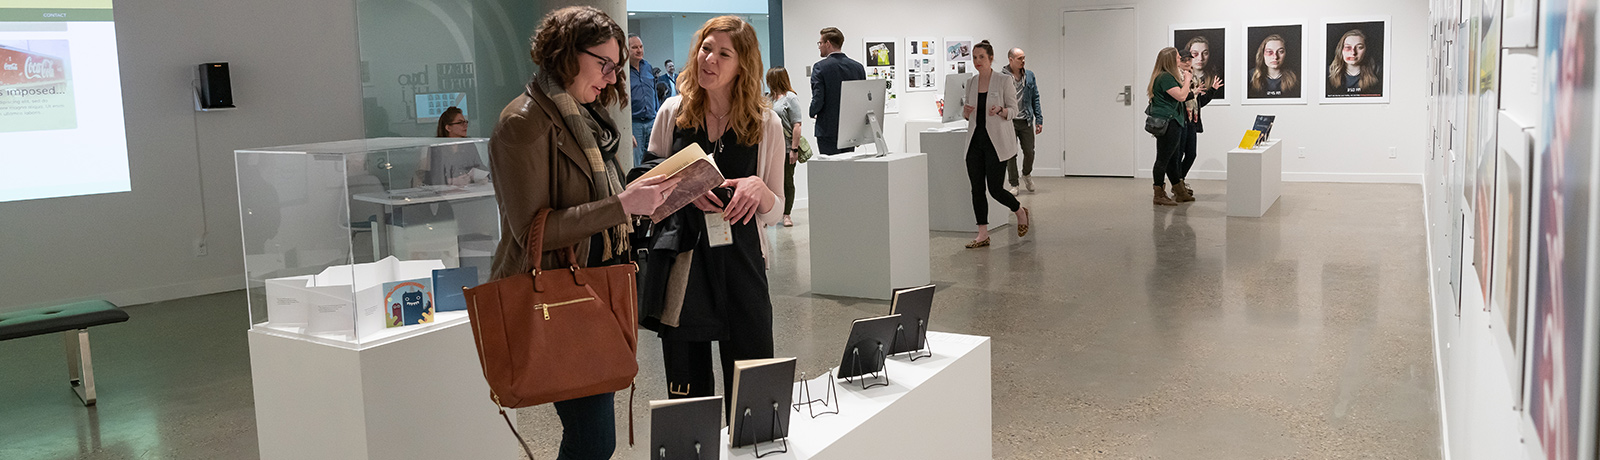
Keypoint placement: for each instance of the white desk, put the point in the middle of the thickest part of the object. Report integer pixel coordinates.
(417, 395)
(949, 190)
(1255, 178)
(934, 408)
(869, 224)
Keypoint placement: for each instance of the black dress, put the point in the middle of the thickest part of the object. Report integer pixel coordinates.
(726, 299)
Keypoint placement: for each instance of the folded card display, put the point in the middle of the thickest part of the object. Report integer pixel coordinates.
(324, 304)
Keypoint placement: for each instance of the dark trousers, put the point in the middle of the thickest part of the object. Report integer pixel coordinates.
(983, 169)
(1167, 146)
(1187, 151)
(1025, 137)
(788, 187)
(689, 373)
(830, 146)
(588, 427)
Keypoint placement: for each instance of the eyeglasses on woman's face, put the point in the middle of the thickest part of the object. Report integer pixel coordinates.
(606, 64)
(462, 122)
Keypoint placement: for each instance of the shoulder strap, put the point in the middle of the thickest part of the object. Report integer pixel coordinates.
(535, 243)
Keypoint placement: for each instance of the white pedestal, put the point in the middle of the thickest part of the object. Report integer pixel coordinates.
(418, 397)
(1255, 178)
(949, 190)
(869, 225)
(914, 129)
(934, 408)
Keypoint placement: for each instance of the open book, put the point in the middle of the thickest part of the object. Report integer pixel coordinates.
(699, 175)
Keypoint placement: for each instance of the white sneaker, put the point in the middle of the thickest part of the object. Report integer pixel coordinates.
(1028, 182)
(1013, 190)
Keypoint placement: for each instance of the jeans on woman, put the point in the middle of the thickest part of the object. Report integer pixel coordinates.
(1187, 151)
(1167, 145)
(588, 427)
(788, 187)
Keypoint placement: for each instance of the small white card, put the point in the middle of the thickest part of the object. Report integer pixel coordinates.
(718, 231)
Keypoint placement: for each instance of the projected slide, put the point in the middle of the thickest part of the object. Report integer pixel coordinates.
(61, 124)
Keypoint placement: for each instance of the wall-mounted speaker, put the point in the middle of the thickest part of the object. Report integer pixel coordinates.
(215, 92)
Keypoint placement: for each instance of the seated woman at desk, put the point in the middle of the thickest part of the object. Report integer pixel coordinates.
(457, 164)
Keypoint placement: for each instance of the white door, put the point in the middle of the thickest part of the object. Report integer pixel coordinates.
(1099, 122)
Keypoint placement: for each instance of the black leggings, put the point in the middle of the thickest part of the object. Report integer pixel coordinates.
(984, 168)
(1167, 146)
(1187, 151)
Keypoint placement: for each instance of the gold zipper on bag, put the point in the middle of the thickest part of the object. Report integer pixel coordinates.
(546, 306)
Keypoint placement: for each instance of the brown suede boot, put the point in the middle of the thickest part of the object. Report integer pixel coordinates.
(1161, 197)
(1181, 192)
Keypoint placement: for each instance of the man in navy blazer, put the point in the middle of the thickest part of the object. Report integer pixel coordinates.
(826, 75)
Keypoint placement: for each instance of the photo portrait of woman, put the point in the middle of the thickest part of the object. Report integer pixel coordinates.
(1275, 62)
(1355, 60)
(1206, 46)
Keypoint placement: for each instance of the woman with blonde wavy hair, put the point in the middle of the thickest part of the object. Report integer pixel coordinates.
(724, 297)
(1353, 71)
(1272, 76)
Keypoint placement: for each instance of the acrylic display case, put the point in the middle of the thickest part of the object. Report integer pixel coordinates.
(360, 242)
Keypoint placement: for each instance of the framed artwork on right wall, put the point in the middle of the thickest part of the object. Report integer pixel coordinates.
(1353, 68)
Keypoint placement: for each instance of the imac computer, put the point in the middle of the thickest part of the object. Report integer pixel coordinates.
(955, 90)
(861, 114)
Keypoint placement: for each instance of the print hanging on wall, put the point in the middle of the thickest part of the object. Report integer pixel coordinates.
(958, 55)
(881, 59)
(1273, 54)
(922, 64)
(1508, 288)
(1484, 82)
(1560, 397)
(1208, 44)
(1353, 60)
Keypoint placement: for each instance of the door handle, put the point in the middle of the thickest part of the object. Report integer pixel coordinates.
(1126, 96)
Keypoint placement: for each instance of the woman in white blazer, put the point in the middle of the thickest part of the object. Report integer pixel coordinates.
(991, 140)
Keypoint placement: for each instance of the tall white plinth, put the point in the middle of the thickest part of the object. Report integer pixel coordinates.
(949, 190)
(420, 396)
(869, 225)
(935, 408)
(1255, 178)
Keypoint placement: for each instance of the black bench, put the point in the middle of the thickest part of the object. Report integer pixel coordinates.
(74, 319)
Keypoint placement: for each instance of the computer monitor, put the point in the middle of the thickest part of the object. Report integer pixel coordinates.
(955, 89)
(861, 114)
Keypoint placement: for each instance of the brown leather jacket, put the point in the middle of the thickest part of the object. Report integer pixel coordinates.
(538, 164)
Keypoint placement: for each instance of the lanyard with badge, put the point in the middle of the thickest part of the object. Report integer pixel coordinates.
(719, 232)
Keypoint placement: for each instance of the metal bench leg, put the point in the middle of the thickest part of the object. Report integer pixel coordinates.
(80, 369)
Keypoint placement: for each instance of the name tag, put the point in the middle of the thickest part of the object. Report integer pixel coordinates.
(719, 232)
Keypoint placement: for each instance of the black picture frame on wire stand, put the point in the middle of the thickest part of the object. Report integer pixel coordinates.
(866, 352)
(830, 397)
(913, 304)
(779, 435)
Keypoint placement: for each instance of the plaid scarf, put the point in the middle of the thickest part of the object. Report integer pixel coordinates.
(592, 139)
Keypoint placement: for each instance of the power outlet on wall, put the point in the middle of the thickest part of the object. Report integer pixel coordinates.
(199, 247)
(1302, 152)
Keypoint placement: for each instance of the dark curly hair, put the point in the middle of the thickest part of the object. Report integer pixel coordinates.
(565, 33)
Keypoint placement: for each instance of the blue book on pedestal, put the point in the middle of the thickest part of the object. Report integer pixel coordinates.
(447, 286)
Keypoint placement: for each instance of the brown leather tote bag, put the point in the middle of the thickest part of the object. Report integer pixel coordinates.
(554, 335)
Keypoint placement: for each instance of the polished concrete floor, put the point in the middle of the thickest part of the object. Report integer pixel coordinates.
(1121, 330)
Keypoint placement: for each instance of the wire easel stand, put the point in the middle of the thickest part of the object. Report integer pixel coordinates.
(855, 369)
(781, 438)
(828, 396)
(922, 330)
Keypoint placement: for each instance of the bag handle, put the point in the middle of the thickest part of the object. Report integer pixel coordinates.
(535, 242)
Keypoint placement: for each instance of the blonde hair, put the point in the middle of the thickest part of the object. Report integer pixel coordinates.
(1369, 70)
(1258, 76)
(747, 106)
(1166, 62)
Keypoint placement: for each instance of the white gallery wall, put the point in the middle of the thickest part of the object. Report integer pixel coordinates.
(1343, 142)
(295, 79)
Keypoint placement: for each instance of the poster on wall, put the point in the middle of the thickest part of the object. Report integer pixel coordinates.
(922, 64)
(882, 63)
(1560, 396)
(1208, 44)
(1508, 288)
(1273, 54)
(1484, 80)
(958, 55)
(1354, 61)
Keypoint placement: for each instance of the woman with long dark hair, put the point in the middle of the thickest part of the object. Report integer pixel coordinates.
(991, 141)
(787, 105)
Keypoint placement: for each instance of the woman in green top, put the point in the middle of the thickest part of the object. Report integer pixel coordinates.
(1168, 87)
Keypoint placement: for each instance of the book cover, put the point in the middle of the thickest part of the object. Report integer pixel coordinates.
(1264, 125)
(447, 286)
(763, 389)
(1250, 138)
(698, 174)
(913, 305)
(868, 338)
(408, 302)
(684, 428)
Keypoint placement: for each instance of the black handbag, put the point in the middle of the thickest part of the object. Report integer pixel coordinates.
(1155, 125)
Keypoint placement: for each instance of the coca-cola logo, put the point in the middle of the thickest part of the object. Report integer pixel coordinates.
(38, 69)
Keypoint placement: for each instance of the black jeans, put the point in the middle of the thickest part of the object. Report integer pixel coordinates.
(1187, 151)
(689, 373)
(588, 427)
(1167, 146)
(984, 169)
(788, 187)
